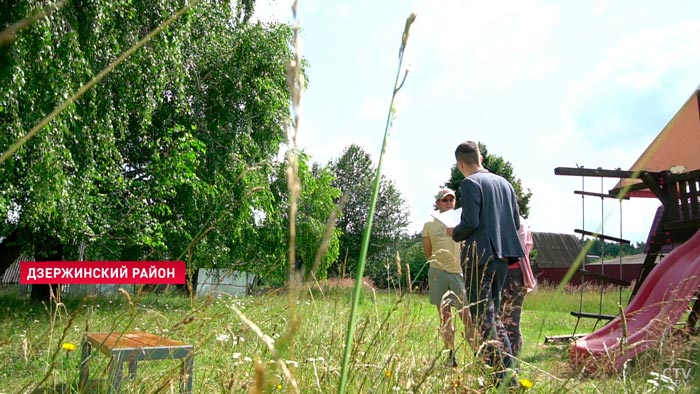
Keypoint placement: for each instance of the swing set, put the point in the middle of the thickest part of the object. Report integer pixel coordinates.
(586, 269)
(601, 238)
(677, 220)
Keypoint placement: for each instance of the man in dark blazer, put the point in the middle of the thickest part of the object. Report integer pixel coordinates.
(489, 226)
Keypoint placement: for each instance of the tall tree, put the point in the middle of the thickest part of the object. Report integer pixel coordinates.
(315, 205)
(499, 166)
(354, 174)
(163, 158)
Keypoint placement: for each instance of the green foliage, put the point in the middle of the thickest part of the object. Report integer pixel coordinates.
(412, 261)
(316, 202)
(614, 249)
(497, 165)
(168, 157)
(354, 175)
(413, 255)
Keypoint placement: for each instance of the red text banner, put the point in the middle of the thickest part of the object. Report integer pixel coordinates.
(102, 272)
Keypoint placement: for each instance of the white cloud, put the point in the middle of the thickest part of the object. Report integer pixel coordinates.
(281, 11)
(269, 10)
(543, 65)
(601, 6)
(662, 61)
(493, 38)
(342, 11)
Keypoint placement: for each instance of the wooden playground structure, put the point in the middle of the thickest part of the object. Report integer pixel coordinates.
(677, 219)
(668, 284)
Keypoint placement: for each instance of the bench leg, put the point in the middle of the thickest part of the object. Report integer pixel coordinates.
(116, 370)
(86, 349)
(133, 365)
(187, 371)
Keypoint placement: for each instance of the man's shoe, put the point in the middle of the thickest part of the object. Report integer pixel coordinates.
(508, 379)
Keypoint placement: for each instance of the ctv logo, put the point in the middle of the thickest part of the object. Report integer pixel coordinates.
(679, 375)
(671, 377)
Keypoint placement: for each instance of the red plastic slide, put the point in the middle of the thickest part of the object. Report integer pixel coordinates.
(655, 309)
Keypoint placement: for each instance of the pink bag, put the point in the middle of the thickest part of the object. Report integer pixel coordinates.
(526, 240)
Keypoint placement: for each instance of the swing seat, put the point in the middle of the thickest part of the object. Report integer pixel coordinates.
(588, 315)
(562, 338)
(602, 236)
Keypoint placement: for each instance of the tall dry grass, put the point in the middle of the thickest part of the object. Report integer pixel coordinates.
(312, 337)
(396, 346)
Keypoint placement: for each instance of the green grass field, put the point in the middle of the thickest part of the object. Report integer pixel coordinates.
(397, 345)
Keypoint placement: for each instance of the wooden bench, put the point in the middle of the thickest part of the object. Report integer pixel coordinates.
(132, 347)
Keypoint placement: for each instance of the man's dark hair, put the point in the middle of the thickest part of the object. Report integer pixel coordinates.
(468, 153)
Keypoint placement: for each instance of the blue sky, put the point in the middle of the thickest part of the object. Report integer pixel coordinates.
(543, 84)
